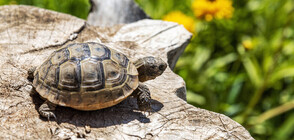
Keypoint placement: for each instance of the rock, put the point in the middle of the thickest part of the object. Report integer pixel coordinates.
(112, 12)
(29, 35)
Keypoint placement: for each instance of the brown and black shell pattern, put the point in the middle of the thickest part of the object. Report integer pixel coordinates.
(86, 76)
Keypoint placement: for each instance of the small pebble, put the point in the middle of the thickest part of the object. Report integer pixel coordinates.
(80, 134)
(87, 129)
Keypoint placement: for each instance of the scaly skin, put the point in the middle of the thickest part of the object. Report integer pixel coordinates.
(142, 94)
(47, 110)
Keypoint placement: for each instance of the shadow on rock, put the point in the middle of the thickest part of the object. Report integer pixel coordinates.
(122, 113)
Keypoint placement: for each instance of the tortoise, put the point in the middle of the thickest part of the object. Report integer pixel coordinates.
(92, 76)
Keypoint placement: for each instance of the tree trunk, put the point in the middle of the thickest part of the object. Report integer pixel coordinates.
(29, 35)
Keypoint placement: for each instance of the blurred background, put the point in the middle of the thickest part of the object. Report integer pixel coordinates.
(240, 61)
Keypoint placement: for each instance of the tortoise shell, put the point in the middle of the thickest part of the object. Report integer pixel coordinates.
(86, 76)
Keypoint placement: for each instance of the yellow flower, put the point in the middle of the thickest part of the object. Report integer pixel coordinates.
(247, 44)
(209, 9)
(181, 18)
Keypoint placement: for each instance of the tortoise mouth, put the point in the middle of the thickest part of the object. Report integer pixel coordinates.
(143, 78)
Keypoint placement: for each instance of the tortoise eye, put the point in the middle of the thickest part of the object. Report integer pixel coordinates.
(162, 67)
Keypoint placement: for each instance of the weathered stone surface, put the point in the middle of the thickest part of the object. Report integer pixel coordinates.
(28, 35)
(112, 12)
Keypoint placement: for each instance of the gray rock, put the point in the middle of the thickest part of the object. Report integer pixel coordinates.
(112, 12)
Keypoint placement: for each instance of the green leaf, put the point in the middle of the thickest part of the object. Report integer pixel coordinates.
(286, 130)
(253, 70)
(284, 72)
(195, 98)
(201, 56)
(219, 63)
(236, 88)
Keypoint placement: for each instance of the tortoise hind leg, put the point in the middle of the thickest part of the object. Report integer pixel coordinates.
(47, 110)
(142, 94)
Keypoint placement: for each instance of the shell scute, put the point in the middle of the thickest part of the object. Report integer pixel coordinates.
(44, 69)
(114, 74)
(79, 51)
(68, 76)
(51, 78)
(92, 75)
(60, 57)
(121, 59)
(99, 51)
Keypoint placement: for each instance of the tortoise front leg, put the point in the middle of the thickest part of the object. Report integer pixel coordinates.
(47, 110)
(142, 94)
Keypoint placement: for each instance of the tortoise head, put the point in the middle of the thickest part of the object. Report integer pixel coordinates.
(150, 67)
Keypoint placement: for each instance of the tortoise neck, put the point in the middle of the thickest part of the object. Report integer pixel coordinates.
(142, 74)
(139, 63)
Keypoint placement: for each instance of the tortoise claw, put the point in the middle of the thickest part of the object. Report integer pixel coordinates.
(47, 110)
(49, 115)
(143, 98)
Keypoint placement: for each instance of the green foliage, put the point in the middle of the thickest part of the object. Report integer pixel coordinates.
(242, 67)
(79, 8)
(158, 8)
